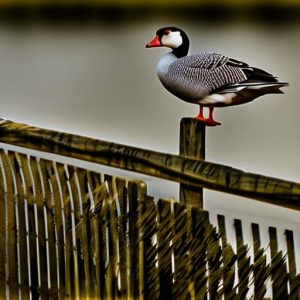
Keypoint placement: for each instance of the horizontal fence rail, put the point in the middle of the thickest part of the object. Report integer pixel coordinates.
(191, 172)
(67, 232)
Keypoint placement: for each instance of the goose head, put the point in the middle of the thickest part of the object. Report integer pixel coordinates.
(171, 37)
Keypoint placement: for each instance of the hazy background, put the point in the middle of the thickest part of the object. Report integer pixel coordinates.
(85, 70)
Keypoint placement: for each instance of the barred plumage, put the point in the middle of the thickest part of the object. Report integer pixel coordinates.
(194, 77)
(208, 79)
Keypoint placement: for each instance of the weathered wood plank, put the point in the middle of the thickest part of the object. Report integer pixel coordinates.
(122, 200)
(41, 232)
(3, 286)
(8, 236)
(56, 219)
(294, 281)
(164, 238)
(172, 167)
(72, 245)
(86, 268)
(30, 225)
(81, 234)
(75, 191)
(79, 183)
(136, 192)
(243, 261)
(291, 251)
(60, 186)
(149, 288)
(98, 233)
(112, 238)
(278, 268)
(229, 259)
(181, 245)
(260, 268)
(214, 260)
(24, 268)
(82, 260)
(198, 248)
(192, 145)
(50, 206)
(222, 229)
(61, 182)
(106, 233)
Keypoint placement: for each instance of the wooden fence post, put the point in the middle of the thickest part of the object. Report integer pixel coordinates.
(192, 145)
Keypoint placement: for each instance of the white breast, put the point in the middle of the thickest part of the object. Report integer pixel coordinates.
(163, 65)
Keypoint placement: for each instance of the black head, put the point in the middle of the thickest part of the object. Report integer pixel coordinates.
(173, 38)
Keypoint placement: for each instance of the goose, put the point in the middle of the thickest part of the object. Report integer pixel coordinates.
(208, 79)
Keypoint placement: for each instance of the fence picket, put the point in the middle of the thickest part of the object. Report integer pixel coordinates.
(56, 219)
(45, 233)
(136, 193)
(3, 211)
(122, 198)
(98, 234)
(83, 237)
(294, 281)
(112, 239)
(180, 248)
(33, 225)
(260, 268)
(229, 259)
(24, 269)
(149, 238)
(200, 221)
(9, 231)
(214, 260)
(243, 261)
(278, 268)
(164, 240)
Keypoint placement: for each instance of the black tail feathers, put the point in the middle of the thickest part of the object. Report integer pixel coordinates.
(256, 74)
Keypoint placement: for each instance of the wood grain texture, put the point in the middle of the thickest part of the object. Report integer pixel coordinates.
(198, 247)
(294, 281)
(164, 239)
(108, 239)
(279, 274)
(229, 260)
(243, 261)
(192, 145)
(149, 279)
(260, 269)
(172, 167)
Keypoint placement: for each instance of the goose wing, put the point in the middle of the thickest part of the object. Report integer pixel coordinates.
(216, 73)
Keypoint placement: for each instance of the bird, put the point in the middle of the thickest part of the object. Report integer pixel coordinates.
(208, 79)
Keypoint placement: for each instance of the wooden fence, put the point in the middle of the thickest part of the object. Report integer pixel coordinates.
(67, 232)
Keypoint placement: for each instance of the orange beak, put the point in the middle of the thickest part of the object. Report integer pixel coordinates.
(154, 43)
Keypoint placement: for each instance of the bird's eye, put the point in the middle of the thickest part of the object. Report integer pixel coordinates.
(166, 32)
